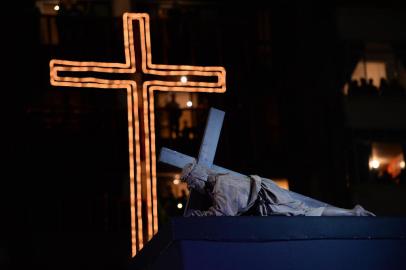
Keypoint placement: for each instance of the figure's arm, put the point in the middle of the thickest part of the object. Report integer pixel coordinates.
(217, 208)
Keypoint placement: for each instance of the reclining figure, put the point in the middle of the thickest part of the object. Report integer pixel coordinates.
(236, 195)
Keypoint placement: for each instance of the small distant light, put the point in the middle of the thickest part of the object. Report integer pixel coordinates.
(374, 164)
(402, 164)
(180, 205)
(189, 103)
(176, 181)
(56, 7)
(183, 79)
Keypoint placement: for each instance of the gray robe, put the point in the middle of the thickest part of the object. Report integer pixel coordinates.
(234, 195)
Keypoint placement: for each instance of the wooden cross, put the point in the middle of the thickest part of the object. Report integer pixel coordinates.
(144, 78)
(207, 152)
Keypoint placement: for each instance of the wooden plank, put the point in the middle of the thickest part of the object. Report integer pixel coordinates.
(180, 160)
(175, 158)
(210, 138)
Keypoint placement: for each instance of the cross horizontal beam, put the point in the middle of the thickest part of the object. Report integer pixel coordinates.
(180, 160)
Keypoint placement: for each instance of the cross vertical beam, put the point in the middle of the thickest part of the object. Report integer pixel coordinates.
(210, 138)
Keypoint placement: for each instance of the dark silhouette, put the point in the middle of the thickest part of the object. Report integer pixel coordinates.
(187, 132)
(372, 90)
(174, 114)
(364, 87)
(367, 88)
(354, 89)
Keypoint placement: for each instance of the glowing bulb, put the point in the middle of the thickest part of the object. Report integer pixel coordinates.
(56, 7)
(176, 181)
(183, 79)
(402, 164)
(189, 103)
(180, 205)
(374, 164)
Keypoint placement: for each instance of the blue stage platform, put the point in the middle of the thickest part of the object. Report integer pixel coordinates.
(277, 243)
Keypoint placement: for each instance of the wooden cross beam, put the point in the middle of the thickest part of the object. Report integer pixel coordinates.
(142, 79)
(207, 152)
(210, 138)
(180, 160)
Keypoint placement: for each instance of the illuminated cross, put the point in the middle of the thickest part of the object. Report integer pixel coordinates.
(145, 79)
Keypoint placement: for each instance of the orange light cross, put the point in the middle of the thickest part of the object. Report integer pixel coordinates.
(145, 78)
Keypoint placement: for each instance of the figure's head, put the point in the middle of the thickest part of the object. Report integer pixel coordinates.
(196, 184)
(195, 176)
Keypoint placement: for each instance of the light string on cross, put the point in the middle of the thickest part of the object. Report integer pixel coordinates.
(140, 108)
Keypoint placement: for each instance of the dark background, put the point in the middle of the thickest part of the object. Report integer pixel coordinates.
(64, 194)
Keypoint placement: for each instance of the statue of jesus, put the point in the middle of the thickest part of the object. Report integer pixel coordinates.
(236, 195)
